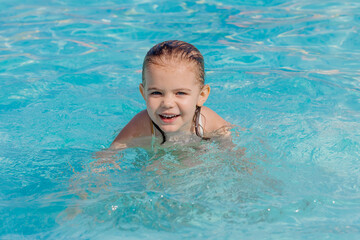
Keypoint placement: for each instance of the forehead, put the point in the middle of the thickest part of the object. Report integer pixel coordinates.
(172, 63)
(171, 72)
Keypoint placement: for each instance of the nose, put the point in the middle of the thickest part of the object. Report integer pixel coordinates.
(168, 101)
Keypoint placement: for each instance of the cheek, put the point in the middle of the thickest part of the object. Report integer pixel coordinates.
(151, 104)
(189, 104)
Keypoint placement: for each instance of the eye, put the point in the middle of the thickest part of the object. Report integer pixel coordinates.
(181, 93)
(155, 93)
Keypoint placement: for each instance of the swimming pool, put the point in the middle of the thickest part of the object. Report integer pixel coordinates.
(286, 72)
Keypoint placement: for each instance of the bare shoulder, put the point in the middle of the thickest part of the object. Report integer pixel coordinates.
(212, 121)
(139, 126)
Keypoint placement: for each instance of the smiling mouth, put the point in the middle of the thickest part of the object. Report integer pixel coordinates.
(168, 116)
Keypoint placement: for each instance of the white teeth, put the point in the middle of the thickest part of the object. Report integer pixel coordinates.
(168, 116)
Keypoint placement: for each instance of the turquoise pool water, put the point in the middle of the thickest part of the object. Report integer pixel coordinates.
(286, 72)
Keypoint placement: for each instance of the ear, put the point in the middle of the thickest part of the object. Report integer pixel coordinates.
(142, 91)
(204, 94)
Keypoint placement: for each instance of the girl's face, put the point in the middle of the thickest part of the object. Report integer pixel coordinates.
(172, 93)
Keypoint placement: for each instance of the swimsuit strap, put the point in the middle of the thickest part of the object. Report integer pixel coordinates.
(161, 131)
(199, 129)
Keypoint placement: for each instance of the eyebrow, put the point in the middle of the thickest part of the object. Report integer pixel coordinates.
(183, 89)
(150, 89)
(178, 89)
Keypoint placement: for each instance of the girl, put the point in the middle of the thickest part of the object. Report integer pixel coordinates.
(173, 86)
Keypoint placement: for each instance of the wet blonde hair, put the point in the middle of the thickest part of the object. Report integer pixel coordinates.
(175, 50)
